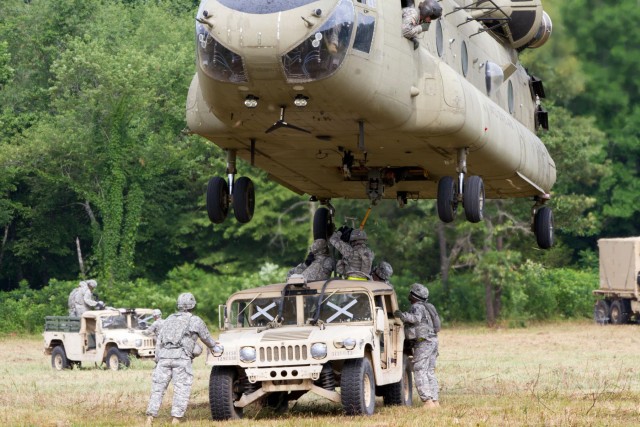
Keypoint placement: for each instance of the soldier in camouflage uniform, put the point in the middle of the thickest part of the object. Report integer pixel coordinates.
(177, 344)
(83, 298)
(71, 302)
(155, 327)
(357, 258)
(319, 264)
(414, 23)
(382, 272)
(422, 325)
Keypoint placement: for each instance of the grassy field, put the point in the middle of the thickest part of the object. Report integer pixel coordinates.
(561, 374)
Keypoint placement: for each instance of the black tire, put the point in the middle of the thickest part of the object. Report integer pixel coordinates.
(323, 226)
(400, 393)
(601, 312)
(224, 390)
(473, 199)
(447, 201)
(59, 359)
(618, 313)
(357, 387)
(244, 200)
(217, 200)
(117, 359)
(543, 227)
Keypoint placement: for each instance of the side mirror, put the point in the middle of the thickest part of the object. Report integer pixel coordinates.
(380, 318)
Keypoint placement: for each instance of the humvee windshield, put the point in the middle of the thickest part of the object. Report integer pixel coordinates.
(336, 308)
(114, 322)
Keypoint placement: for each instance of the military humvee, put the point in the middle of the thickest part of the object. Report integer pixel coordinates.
(280, 341)
(109, 336)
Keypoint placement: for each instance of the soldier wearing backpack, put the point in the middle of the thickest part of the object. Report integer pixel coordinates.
(422, 325)
(177, 346)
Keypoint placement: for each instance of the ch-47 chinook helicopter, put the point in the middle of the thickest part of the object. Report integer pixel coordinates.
(331, 100)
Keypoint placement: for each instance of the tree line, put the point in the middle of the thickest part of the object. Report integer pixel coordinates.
(100, 180)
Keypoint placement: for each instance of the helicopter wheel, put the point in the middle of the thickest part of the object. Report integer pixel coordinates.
(543, 227)
(473, 199)
(244, 200)
(447, 203)
(217, 200)
(323, 226)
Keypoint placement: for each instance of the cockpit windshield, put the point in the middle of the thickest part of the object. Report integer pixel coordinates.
(262, 7)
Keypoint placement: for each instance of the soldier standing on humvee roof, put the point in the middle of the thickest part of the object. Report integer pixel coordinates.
(422, 325)
(319, 263)
(357, 258)
(175, 351)
(83, 298)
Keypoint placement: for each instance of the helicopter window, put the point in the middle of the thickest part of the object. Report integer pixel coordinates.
(322, 53)
(439, 38)
(262, 7)
(494, 77)
(464, 58)
(364, 33)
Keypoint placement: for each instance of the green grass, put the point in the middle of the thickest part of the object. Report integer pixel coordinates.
(560, 374)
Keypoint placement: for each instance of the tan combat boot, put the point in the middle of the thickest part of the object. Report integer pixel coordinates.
(176, 420)
(436, 403)
(428, 404)
(149, 421)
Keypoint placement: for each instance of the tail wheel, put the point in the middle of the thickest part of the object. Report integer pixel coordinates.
(447, 202)
(217, 200)
(244, 199)
(323, 226)
(543, 227)
(473, 199)
(357, 387)
(59, 359)
(224, 390)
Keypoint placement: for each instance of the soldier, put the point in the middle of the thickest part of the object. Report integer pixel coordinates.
(414, 24)
(175, 351)
(71, 302)
(382, 272)
(422, 325)
(319, 263)
(155, 327)
(357, 258)
(84, 300)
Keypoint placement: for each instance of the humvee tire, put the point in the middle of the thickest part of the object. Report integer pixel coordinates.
(618, 313)
(224, 389)
(59, 359)
(601, 312)
(116, 359)
(400, 393)
(357, 387)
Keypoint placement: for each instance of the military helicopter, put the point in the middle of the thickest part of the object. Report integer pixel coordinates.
(332, 101)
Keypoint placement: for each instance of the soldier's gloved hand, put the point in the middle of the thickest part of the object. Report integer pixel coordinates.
(397, 313)
(425, 26)
(100, 305)
(342, 229)
(310, 258)
(346, 235)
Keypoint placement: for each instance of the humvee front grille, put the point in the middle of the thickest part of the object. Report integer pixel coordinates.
(284, 353)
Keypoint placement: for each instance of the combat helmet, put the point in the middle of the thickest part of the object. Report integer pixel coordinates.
(384, 270)
(157, 313)
(92, 283)
(419, 291)
(358, 235)
(186, 301)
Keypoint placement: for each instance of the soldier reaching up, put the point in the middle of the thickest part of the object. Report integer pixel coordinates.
(414, 23)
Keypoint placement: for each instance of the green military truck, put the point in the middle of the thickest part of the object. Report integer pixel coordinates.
(337, 339)
(618, 297)
(111, 336)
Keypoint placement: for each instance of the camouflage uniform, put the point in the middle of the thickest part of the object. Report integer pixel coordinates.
(84, 297)
(71, 302)
(174, 358)
(357, 258)
(412, 21)
(421, 326)
(322, 265)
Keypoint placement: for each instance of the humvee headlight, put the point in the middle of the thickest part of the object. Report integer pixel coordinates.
(248, 354)
(217, 350)
(319, 350)
(125, 341)
(349, 343)
(138, 342)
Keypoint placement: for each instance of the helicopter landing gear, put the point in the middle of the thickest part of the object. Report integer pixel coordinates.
(323, 226)
(239, 194)
(542, 223)
(470, 192)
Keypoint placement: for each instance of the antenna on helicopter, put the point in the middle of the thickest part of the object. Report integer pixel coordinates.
(281, 123)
